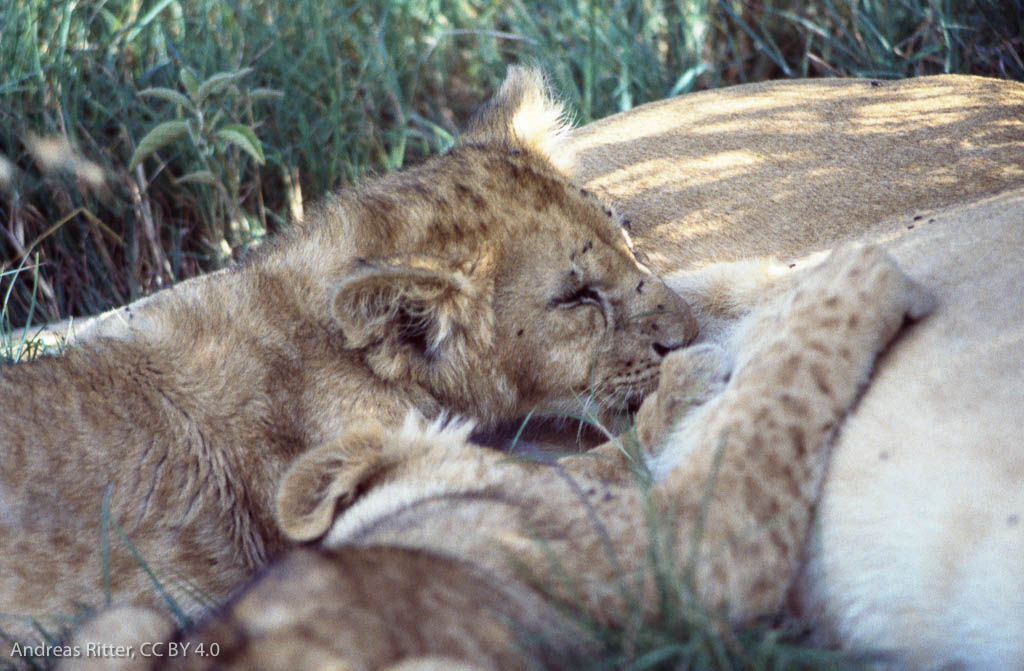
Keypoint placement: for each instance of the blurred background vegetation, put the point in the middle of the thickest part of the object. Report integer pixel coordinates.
(145, 141)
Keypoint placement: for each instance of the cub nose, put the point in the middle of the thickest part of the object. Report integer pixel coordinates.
(672, 324)
(678, 327)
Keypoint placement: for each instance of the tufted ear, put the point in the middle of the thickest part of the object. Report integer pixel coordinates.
(324, 481)
(521, 115)
(411, 315)
(321, 483)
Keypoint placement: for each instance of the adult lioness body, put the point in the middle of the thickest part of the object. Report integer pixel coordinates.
(916, 553)
(481, 284)
(786, 168)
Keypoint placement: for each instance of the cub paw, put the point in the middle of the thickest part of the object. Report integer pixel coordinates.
(693, 375)
(866, 284)
(689, 378)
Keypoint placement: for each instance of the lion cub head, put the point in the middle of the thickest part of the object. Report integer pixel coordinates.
(490, 282)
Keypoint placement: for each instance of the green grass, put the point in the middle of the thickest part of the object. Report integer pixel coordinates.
(364, 87)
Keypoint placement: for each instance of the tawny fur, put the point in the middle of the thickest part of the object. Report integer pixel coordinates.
(440, 548)
(788, 167)
(482, 284)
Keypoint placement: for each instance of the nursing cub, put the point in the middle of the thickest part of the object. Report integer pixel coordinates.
(481, 284)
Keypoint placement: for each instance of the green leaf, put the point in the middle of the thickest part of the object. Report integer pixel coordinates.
(236, 133)
(163, 134)
(190, 82)
(265, 94)
(217, 116)
(167, 94)
(200, 176)
(141, 24)
(218, 82)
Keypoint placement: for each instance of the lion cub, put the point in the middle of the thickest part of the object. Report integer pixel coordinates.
(482, 284)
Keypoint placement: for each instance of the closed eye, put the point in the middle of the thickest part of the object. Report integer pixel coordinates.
(584, 295)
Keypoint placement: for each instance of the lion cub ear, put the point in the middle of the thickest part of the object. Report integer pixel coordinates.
(521, 115)
(323, 482)
(408, 316)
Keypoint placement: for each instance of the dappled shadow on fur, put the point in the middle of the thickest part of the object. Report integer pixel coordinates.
(785, 168)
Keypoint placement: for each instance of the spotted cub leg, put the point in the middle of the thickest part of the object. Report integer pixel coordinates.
(742, 471)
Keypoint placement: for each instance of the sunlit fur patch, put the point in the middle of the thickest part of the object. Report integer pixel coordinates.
(528, 116)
